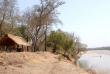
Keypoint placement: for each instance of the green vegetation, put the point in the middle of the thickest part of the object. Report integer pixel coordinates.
(35, 25)
(64, 43)
(100, 48)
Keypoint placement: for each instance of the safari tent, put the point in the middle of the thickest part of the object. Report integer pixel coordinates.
(13, 42)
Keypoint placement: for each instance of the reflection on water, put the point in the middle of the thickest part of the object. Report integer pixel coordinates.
(97, 61)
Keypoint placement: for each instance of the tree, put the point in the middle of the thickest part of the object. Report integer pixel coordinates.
(22, 31)
(55, 40)
(60, 40)
(64, 43)
(7, 14)
(40, 18)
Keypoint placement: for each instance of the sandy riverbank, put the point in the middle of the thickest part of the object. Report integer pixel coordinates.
(36, 63)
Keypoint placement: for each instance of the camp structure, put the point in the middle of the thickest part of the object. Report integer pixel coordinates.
(13, 43)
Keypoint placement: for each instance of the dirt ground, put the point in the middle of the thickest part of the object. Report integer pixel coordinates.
(36, 63)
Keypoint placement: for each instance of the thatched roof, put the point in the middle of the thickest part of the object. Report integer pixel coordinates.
(10, 39)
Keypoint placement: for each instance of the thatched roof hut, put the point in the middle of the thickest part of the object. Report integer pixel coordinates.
(12, 40)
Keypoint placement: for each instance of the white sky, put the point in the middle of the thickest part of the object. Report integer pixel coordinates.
(89, 19)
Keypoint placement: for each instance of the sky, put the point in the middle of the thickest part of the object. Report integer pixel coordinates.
(88, 19)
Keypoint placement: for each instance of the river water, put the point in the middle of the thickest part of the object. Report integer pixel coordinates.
(96, 60)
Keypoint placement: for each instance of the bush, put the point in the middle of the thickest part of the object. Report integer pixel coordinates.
(64, 43)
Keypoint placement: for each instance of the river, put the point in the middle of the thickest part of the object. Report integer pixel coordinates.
(96, 60)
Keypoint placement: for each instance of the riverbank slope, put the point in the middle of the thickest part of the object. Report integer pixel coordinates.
(36, 63)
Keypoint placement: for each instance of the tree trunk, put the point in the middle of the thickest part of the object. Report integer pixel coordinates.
(54, 49)
(46, 39)
(1, 23)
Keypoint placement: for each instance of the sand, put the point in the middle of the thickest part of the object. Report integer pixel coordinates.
(36, 63)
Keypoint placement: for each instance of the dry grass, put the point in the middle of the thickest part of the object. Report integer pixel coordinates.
(36, 63)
